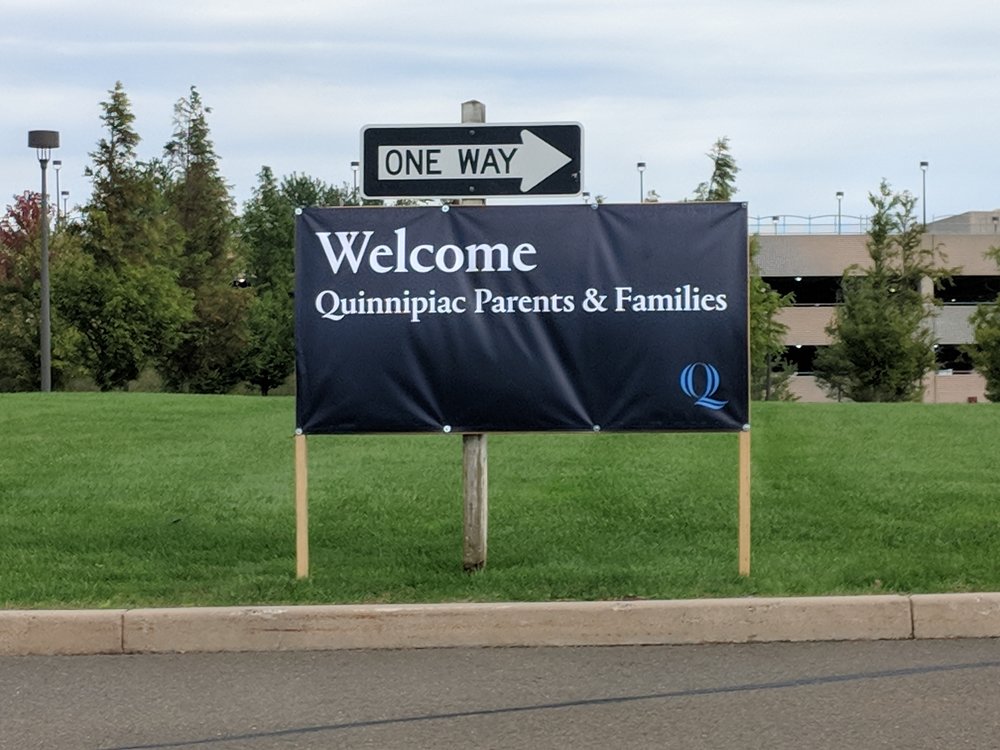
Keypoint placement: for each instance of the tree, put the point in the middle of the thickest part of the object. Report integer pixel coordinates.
(197, 193)
(300, 191)
(267, 230)
(207, 354)
(882, 345)
(984, 351)
(121, 292)
(18, 228)
(769, 370)
(268, 233)
(19, 294)
(721, 186)
(20, 297)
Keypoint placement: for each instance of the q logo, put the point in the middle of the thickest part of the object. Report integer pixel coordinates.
(702, 396)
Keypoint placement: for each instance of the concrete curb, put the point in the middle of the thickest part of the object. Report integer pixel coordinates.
(956, 615)
(82, 631)
(744, 620)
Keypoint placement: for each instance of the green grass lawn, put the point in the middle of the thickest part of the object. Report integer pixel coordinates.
(113, 500)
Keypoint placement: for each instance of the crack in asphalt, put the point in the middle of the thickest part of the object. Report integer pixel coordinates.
(580, 703)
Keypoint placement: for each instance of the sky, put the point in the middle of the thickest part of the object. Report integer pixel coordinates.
(814, 97)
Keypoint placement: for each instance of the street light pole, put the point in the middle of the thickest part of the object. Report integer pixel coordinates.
(641, 166)
(43, 141)
(354, 168)
(840, 197)
(923, 194)
(57, 165)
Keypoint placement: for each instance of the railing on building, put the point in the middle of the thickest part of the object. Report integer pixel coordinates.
(821, 224)
(849, 224)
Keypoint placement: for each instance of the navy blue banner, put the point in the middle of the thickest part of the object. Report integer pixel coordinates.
(522, 318)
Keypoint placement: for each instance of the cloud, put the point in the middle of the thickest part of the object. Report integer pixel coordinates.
(815, 97)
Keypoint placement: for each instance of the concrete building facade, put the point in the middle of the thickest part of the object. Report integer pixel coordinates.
(810, 263)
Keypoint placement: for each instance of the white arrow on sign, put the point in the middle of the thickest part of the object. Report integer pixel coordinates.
(531, 161)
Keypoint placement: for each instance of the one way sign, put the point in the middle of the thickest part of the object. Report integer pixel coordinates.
(471, 160)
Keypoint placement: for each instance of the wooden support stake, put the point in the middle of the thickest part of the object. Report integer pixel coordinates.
(475, 490)
(744, 547)
(301, 508)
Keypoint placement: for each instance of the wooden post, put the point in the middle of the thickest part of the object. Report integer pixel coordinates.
(744, 502)
(301, 508)
(475, 487)
(744, 445)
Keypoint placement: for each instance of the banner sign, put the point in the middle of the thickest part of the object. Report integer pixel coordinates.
(522, 318)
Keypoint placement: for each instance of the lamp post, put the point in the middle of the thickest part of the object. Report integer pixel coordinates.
(354, 168)
(57, 165)
(586, 196)
(641, 166)
(996, 220)
(840, 197)
(43, 141)
(65, 200)
(775, 220)
(923, 194)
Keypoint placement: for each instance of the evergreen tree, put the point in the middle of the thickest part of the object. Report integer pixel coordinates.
(207, 354)
(268, 233)
(121, 292)
(984, 351)
(268, 229)
(265, 227)
(721, 186)
(197, 193)
(882, 345)
(769, 370)
(269, 358)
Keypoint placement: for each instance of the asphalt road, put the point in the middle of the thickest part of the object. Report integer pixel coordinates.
(899, 694)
